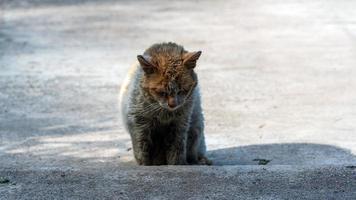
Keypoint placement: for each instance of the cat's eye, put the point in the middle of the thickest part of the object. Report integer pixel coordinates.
(182, 92)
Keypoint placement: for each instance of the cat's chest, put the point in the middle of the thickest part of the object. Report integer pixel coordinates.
(164, 120)
(171, 118)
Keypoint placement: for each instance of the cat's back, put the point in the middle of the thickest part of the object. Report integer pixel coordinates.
(127, 87)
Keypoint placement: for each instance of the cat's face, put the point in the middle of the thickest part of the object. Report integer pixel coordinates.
(169, 79)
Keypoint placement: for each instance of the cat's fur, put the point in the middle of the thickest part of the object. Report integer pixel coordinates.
(161, 108)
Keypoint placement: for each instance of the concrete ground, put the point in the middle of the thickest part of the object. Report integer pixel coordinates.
(277, 79)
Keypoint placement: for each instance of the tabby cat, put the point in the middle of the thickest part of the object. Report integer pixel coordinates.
(161, 108)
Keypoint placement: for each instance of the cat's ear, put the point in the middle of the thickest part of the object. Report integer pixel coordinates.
(145, 62)
(190, 59)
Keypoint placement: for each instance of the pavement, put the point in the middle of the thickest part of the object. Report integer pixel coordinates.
(278, 87)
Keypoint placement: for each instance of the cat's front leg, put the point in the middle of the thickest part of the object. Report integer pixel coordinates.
(142, 145)
(176, 153)
(142, 154)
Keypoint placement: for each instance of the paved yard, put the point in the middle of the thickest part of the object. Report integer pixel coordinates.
(278, 80)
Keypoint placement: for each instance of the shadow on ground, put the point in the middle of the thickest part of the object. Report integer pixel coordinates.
(282, 154)
(104, 148)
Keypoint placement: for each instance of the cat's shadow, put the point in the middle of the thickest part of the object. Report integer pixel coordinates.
(282, 154)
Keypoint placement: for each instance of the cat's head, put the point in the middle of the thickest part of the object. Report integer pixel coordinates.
(169, 78)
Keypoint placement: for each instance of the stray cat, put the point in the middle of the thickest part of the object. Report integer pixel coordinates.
(160, 104)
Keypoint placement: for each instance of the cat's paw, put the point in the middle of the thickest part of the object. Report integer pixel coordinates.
(144, 162)
(204, 161)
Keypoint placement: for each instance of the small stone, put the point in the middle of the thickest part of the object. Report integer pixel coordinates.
(262, 125)
(4, 180)
(351, 167)
(262, 161)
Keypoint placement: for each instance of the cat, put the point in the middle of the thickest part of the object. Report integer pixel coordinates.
(161, 107)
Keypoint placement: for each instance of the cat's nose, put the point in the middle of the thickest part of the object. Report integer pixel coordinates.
(172, 102)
